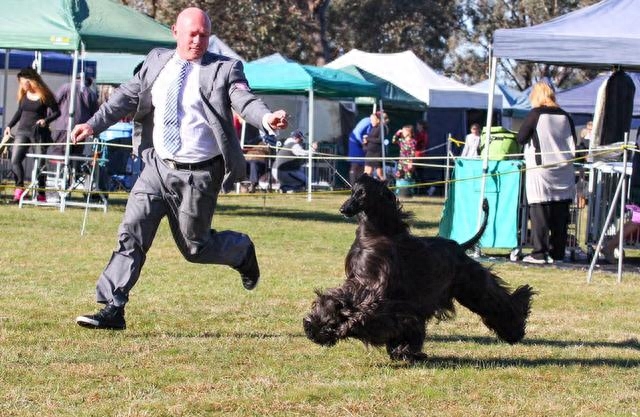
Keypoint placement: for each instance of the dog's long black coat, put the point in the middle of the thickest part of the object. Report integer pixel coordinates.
(395, 282)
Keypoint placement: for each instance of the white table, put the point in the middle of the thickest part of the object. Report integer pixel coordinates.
(56, 179)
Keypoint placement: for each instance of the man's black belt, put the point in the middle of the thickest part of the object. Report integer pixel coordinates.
(192, 166)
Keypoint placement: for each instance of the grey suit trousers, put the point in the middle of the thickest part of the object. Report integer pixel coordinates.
(188, 199)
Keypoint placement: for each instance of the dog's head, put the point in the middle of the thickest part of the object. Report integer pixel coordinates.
(369, 195)
(323, 324)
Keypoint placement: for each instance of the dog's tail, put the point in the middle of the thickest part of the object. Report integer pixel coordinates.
(502, 311)
(469, 244)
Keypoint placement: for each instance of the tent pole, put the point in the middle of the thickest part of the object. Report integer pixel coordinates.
(70, 124)
(485, 149)
(623, 203)
(605, 226)
(311, 141)
(447, 172)
(7, 52)
(384, 163)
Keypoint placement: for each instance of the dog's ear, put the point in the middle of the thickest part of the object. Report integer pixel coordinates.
(362, 178)
(387, 194)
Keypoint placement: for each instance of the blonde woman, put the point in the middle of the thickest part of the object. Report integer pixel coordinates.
(549, 138)
(37, 107)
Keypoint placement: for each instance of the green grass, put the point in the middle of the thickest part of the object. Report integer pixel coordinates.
(197, 344)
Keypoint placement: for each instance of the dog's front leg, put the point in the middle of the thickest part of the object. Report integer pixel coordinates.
(406, 345)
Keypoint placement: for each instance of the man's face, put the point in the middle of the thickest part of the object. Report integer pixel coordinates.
(192, 31)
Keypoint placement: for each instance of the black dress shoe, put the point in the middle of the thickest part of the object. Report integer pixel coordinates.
(110, 317)
(249, 269)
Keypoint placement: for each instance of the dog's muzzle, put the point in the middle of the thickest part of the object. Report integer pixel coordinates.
(348, 208)
(318, 333)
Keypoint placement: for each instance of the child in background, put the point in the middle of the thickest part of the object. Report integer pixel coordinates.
(407, 143)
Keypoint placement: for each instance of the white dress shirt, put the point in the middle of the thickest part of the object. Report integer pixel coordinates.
(198, 142)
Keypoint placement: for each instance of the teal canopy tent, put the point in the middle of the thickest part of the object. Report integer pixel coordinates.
(75, 26)
(295, 79)
(69, 25)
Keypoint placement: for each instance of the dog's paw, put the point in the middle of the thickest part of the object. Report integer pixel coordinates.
(404, 354)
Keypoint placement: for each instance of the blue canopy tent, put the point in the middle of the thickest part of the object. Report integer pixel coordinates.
(580, 101)
(55, 62)
(603, 36)
(295, 79)
(600, 36)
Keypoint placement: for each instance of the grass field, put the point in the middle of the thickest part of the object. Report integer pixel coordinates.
(197, 344)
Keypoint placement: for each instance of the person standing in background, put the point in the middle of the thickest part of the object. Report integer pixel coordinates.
(372, 142)
(586, 134)
(471, 142)
(86, 104)
(549, 138)
(422, 145)
(356, 141)
(407, 143)
(37, 108)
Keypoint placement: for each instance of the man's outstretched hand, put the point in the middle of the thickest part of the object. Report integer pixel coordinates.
(278, 120)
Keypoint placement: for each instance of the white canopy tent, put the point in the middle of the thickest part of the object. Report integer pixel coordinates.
(448, 102)
(411, 74)
(602, 36)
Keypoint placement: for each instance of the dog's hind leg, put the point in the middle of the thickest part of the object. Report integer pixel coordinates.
(488, 296)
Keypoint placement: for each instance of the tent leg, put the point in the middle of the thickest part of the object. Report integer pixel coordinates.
(384, 163)
(621, 190)
(311, 139)
(447, 172)
(485, 151)
(596, 253)
(7, 52)
(70, 124)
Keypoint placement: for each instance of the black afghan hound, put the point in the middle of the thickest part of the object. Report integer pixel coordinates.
(396, 282)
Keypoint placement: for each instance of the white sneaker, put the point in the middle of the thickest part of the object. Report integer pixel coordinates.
(531, 260)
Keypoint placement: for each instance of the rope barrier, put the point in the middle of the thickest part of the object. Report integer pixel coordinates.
(326, 157)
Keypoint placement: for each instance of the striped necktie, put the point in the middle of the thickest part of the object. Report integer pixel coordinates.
(171, 122)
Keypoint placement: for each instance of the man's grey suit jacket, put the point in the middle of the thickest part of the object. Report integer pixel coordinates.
(222, 86)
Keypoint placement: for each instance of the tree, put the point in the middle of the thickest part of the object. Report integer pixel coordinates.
(316, 31)
(394, 26)
(469, 47)
(254, 28)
